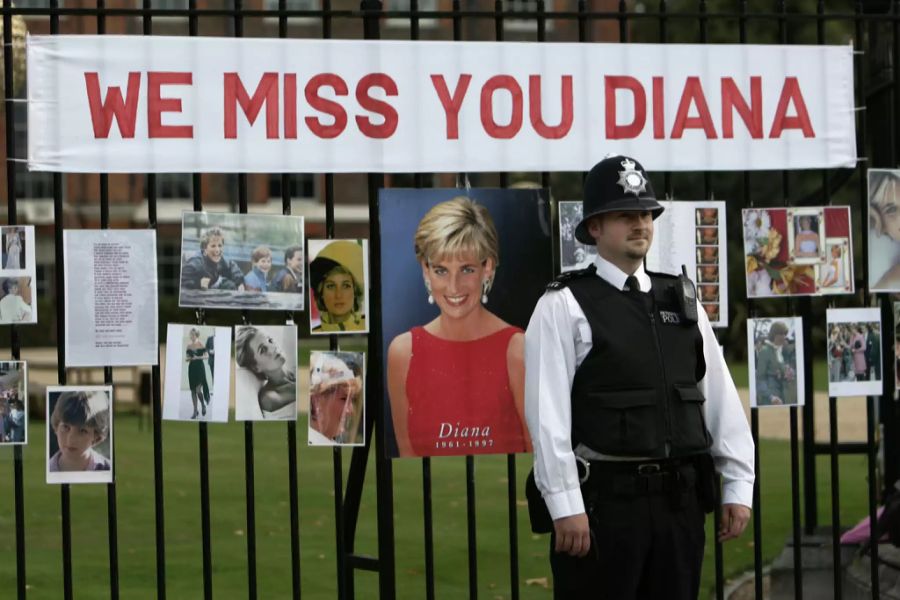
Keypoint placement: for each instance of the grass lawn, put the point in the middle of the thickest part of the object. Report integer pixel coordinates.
(134, 470)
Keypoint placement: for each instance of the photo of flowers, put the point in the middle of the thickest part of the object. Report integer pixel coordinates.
(798, 251)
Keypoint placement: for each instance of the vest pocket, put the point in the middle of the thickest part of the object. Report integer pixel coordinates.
(625, 423)
(689, 433)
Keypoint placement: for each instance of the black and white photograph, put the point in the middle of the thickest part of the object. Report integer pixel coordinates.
(17, 301)
(338, 286)
(242, 261)
(265, 377)
(854, 351)
(336, 398)
(196, 383)
(775, 345)
(79, 434)
(13, 402)
(572, 253)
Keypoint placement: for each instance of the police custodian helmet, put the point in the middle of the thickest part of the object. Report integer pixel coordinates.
(614, 184)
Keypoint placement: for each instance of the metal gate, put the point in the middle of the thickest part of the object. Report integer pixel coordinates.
(872, 27)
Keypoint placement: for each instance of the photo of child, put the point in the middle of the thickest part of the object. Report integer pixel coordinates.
(79, 434)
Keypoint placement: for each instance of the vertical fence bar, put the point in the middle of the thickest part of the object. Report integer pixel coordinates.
(12, 219)
(470, 519)
(757, 512)
(429, 529)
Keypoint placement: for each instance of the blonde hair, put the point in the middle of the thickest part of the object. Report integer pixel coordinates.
(456, 227)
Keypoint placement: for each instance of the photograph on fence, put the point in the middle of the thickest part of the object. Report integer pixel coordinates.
(13, 402)
(241, 261)
(884, 230)
(338, 286)
(775, 350)
(79, 434)
(460, 278)
(572, 253)
(265, 377)
(797, 251)
(17, 301)
(854, 351)
(196, 385)
(17, 273)
(896, 306)
(675, 247)
(337, 398)
(111, 297)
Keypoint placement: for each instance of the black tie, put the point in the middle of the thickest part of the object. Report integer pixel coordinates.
(632, 285)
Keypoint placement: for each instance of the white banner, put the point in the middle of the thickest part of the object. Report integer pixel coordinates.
(180, 104)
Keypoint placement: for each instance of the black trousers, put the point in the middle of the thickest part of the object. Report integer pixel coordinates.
(642, 548)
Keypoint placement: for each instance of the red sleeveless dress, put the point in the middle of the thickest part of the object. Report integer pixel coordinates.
(459, 397)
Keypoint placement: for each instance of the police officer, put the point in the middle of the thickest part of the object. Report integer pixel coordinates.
(631, 409)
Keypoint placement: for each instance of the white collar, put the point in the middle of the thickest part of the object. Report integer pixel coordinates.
(616, 277)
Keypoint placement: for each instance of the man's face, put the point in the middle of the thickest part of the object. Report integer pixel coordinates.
(295, 261)
(214, 249)
(623, 234)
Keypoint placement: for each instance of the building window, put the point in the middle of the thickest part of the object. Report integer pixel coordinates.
(405, 5)
(29, 184)
(169, 262)
(166, 4)
(171, 186)
(37, 4)
(526, 23)
(300, 185)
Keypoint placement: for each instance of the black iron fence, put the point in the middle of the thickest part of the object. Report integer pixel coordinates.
(872, 27)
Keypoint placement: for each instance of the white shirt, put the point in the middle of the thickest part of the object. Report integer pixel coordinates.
(557, 340)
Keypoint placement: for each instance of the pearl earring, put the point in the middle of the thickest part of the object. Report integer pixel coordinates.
(428, 287)
(485, 286)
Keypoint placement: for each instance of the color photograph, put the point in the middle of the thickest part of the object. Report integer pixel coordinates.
(79, 434)
(196, 385)
(854, 351)
(338, 286)
(461, 276)
(897, 345)
(336, 398)
(13, 402)
(17, 304)
(884, 230)
(572, 253)
(774, 346)
(265, 377)
(791, 251)
(242, 261)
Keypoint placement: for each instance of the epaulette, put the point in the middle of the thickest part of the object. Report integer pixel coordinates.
(564, 279)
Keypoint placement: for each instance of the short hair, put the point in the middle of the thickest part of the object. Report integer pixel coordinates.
(8, 283)
(259, 253)
(338, 270)
(454, 227)
(289, 252)
(90, 409)
(777, 328)
(209, 234)
(194, 332)
(243, 352)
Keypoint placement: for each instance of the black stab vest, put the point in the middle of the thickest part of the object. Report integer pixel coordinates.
(636, 393)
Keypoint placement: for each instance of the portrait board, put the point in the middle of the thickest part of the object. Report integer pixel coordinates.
(703, 253)
(775, 348)
(572, 253)
(265, 377)
(459, 396)
(884, 230)
(79, 434)
(337, 398)
(242, 261)
(798, 251)
(338, 287)
(198, 373)
(854, 351)
(13, 402)
(111, 302)
(18, 302)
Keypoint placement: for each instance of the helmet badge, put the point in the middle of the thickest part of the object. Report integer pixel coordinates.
(631, 180)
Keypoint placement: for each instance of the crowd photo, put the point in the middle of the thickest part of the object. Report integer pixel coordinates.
(12, 402)
(854, 352)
